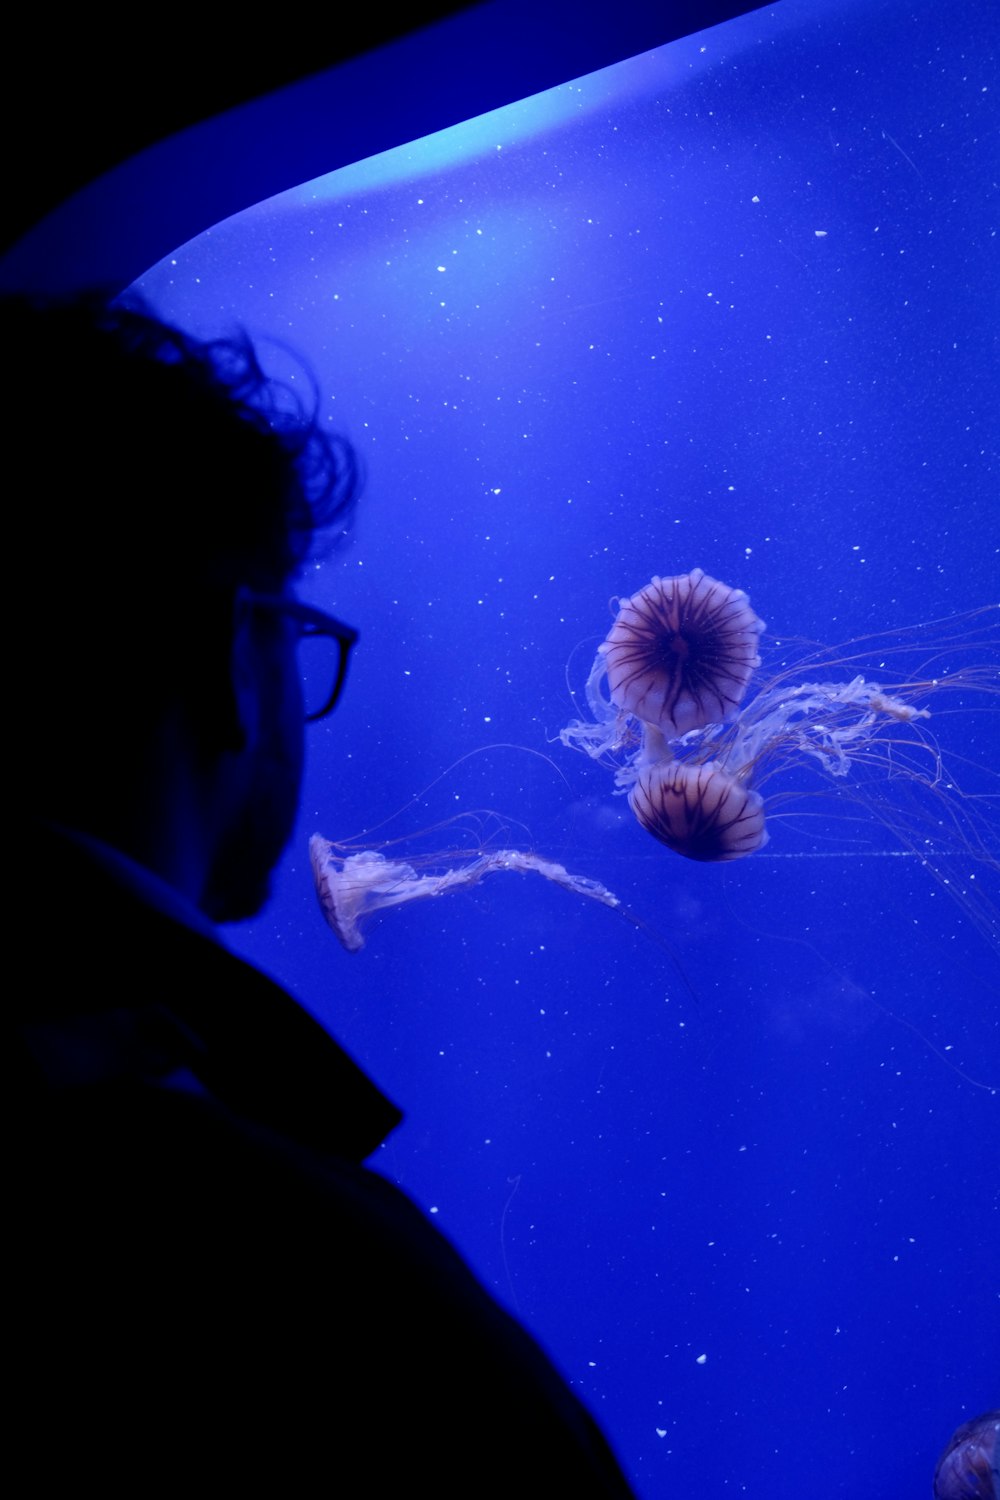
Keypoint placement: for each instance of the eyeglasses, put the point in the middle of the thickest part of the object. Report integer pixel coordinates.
(324, 646)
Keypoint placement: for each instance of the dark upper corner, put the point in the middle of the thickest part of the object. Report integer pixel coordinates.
(78, 103)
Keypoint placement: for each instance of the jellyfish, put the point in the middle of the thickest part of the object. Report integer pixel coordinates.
(969, 1467)
(700, 738)
(699, 811)
(681, 652)
(679, 656)
(354, 886)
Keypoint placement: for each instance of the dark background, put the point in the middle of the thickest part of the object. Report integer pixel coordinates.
(81, 97)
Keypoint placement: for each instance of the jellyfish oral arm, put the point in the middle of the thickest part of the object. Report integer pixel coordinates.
(824, 720)
(579, 885)
(885, 703)
(609, 732)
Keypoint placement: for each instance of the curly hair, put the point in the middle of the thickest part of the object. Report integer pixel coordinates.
(148, 405)
(151, 474)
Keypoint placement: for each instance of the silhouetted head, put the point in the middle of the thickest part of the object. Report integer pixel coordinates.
(681, 652)
(163, 487)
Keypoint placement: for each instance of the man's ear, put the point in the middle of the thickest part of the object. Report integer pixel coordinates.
(221, 688)
(242, 709)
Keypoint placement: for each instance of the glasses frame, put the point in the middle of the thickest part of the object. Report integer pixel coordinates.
(312, 622)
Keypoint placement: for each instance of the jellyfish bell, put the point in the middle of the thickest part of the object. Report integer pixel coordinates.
(350, 887)
(699, 811)
(681, 652)
(969, 1467)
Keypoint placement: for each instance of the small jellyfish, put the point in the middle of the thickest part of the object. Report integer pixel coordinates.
(354, 885)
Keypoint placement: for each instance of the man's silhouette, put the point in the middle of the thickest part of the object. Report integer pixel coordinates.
(209, 1288)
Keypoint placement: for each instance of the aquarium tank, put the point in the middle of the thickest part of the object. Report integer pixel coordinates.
(721, 1125)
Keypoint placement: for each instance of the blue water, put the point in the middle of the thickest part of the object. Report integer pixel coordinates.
(730, 305)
